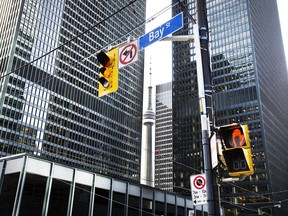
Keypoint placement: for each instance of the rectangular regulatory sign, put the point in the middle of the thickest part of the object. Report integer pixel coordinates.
(162, 31)
(199, 189)
(128, 54)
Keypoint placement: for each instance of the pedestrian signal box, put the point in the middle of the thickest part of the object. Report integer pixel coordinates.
(237, 150)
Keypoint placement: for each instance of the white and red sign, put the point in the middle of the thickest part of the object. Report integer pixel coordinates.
(128, 54)
(198, 189)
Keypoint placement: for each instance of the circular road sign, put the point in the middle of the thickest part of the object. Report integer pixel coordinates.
(128, 54)
(199, 182)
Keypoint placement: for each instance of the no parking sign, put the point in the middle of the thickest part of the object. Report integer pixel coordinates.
(198, 189)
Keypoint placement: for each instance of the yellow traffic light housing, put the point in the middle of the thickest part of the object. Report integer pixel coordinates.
(237, 150)
(108, 81)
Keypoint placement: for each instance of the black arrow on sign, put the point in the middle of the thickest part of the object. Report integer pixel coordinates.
(128, 52)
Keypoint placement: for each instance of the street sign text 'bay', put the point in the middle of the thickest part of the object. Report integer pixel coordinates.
(162, 31)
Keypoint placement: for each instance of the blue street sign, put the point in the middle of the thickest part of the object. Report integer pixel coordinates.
(162, 31)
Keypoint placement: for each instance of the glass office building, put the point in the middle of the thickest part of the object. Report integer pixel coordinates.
(33, 186)
(163, 137)
(250, 81)
(49, 83)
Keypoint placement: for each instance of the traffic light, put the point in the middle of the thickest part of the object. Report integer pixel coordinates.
(237, 150)
(108, 81)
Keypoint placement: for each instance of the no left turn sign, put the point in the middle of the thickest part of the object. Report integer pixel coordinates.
(128, 54)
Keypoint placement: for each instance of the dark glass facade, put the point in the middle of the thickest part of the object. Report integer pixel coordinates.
(49, 105)
(187, 141)
(33, 186)
(249, 77)
(163, 137)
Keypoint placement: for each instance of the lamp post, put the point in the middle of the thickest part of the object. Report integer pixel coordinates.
(201, 38)
(205, 94)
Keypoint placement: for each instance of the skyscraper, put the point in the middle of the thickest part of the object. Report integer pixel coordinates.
(48, 71)
(163, 137)
(250, 82)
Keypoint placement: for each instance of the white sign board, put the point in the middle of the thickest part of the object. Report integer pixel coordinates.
(214, 153)
(198, 189)
(128, 54)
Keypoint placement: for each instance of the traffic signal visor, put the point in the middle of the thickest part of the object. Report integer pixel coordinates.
(237, 153)
(108, 81)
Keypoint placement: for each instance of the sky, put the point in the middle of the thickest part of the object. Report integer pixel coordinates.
(158, 57)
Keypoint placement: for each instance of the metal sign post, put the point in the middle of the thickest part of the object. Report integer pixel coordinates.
(205, 94)
(204, 123)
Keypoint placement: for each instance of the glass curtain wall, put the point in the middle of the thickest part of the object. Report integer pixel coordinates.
(249, 77)
(49, 84)
(33, 186)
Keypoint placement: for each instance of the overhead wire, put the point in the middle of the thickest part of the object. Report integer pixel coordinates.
(238, 205)
(235, 185)
(41, 81)
(90, 55)
(69, 41)
(231, 184)
(47, 79)
(77, 61)
(260, 195)
(85, 58)
(243, 207)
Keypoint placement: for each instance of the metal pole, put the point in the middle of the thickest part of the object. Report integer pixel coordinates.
(205, 94)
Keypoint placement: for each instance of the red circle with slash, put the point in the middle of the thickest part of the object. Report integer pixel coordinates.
(128, 54)
(199, 182)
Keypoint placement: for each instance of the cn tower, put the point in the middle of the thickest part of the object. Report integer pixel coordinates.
(148, 145)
